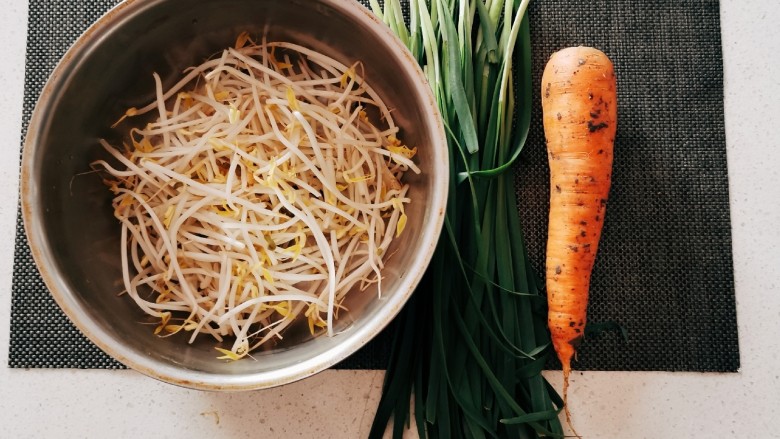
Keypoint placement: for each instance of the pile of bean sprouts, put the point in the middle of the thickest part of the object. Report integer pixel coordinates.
(262, 191)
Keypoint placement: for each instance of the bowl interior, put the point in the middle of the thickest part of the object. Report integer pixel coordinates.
(68, 214)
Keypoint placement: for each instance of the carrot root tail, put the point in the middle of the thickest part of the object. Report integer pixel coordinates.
(566, 372)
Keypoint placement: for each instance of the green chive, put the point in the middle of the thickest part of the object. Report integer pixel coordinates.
(473, 340)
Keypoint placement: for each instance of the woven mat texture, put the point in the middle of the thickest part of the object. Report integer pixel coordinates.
(664, 271)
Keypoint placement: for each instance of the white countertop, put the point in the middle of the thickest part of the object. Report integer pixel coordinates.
(98, 403)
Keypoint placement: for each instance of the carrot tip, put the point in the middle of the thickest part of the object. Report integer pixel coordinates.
(566, 372)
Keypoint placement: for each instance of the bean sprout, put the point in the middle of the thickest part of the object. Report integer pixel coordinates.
(263, 191)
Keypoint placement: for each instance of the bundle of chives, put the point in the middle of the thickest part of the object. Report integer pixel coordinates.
(470, 346)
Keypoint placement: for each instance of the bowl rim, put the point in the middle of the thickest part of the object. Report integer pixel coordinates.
(46, 262)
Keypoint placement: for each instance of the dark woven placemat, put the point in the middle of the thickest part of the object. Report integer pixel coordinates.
(664, 270)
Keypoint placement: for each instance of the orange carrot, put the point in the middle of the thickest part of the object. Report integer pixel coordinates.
(580, 115)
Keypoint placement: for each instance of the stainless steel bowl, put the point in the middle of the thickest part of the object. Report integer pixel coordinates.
(68, 217)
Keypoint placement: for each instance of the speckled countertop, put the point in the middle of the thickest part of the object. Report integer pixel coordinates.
(340, 404)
